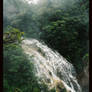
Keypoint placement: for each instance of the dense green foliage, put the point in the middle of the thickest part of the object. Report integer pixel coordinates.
(68, 35)
(18, 70)
(66, 31)
(12, 35)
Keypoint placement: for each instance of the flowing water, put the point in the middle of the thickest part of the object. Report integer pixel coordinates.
(51, 68)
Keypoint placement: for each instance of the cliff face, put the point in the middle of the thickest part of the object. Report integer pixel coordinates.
(83, 78)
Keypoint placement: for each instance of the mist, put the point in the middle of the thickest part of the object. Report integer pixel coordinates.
(13, 7)
(14, 10)
(32, 17)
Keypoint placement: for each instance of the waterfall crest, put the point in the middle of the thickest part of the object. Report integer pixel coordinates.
(50, 67)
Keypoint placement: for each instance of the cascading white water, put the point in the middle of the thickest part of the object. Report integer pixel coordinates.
(50, 67)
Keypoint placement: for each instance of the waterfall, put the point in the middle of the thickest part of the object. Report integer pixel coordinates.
(51, 68)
